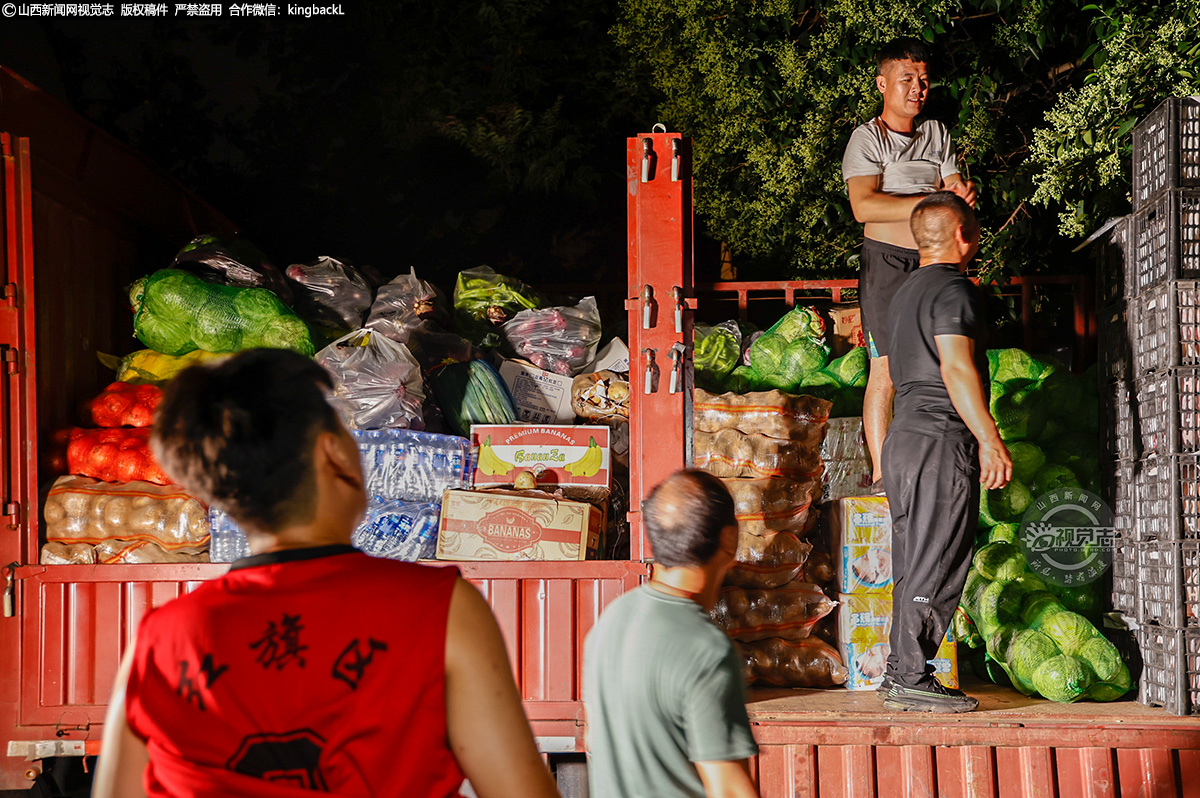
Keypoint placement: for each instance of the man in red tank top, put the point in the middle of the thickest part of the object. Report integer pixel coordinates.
(309, 666)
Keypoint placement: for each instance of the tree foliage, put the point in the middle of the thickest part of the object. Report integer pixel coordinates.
(1040, 98)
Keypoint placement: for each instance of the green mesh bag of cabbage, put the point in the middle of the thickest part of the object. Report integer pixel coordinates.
(176, 312)
(1030, 632)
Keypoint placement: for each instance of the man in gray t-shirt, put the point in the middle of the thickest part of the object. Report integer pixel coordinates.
(662, 684)
(890, 164)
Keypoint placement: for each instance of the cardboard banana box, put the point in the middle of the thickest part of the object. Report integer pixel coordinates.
(504, 525)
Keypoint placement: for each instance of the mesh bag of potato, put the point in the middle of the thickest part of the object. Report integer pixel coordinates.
(810, 662)
(80, 510)
(787, 612)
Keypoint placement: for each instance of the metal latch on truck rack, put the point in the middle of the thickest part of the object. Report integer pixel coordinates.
(10, 572)
(11, 360)
(676, 353)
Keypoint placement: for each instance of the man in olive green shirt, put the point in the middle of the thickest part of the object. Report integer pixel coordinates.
(662, 684)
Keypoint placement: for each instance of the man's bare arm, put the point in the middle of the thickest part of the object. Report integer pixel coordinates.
(727, 779)
(872, 206)
(962, 380)
(123, 755)
(489, 734)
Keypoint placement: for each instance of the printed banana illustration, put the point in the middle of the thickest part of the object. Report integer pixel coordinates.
(589, 464)
(490, 463)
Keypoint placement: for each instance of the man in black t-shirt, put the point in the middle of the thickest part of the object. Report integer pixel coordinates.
(941, 448)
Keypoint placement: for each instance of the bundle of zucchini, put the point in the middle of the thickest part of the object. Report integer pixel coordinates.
(471, 393)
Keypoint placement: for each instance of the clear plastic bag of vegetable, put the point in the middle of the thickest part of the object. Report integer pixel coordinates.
(484, 301)
(177, 312)
(377, 383)
(332, 293)
(717, 351)
(231, 260)
(405, 304)
(561, 339)
(146, 366)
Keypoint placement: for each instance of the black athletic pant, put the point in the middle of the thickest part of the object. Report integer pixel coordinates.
(933, 491)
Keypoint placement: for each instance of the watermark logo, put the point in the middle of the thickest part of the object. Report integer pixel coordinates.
(1067, 536)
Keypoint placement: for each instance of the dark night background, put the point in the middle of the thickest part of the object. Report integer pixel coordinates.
(437, 135)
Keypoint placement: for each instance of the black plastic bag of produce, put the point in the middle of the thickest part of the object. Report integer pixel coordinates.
(332, 293)
(377, 383)
(232, 260)
(175, 312)
(484, 301)
(562, 340)
(404, 304)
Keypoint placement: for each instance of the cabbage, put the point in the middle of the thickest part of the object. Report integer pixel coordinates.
(766, 353)
(800, 322)
(1010, 502)
(1026, 653)
(1103, 658)
(743, 379)
(1005, 532)
(1062, 391)
(1053, 476)
(1069, 630)
(850, 369)
(1014, 367)
(1027, 458)
(1038, 606)
(805, 356)
(1020, 415)
(1063, 679)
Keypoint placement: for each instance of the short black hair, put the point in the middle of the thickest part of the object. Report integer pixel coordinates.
(685, 515)
(239, 434)
(900, 49)
(928, 220)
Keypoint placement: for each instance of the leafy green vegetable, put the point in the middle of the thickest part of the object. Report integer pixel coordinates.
(1019, 415)
(1029, 649)
(1062, 391)
(850, 369)
(1015, 368)
(1103, 658)
(1069, 630)
(800, 322)
(1053, 476)
(1027, 458)
(1063, 679)
(743, 379)
(1010, 502)
(766, 353)
(1038, 606)
(1005, 532)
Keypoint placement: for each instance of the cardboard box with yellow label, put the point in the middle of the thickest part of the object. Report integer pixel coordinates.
(501, 525)
(864, 624)
(861, 544)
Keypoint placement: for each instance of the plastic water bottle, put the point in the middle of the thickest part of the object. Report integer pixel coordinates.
(409, 466)
(228, 542)
(399, 530)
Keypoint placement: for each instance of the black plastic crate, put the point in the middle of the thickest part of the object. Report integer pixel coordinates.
(1168, 582)
(1124, 577)
(1117, 488)
(1171, 669)
(1166, 241)
(1165, 328)
(1167, 498)
(1166, 149)
(1166, 412)
(1113, 343)
(1113, 252)
(1117, 438)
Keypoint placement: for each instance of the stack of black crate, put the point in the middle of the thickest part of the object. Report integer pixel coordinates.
(1149, 344)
